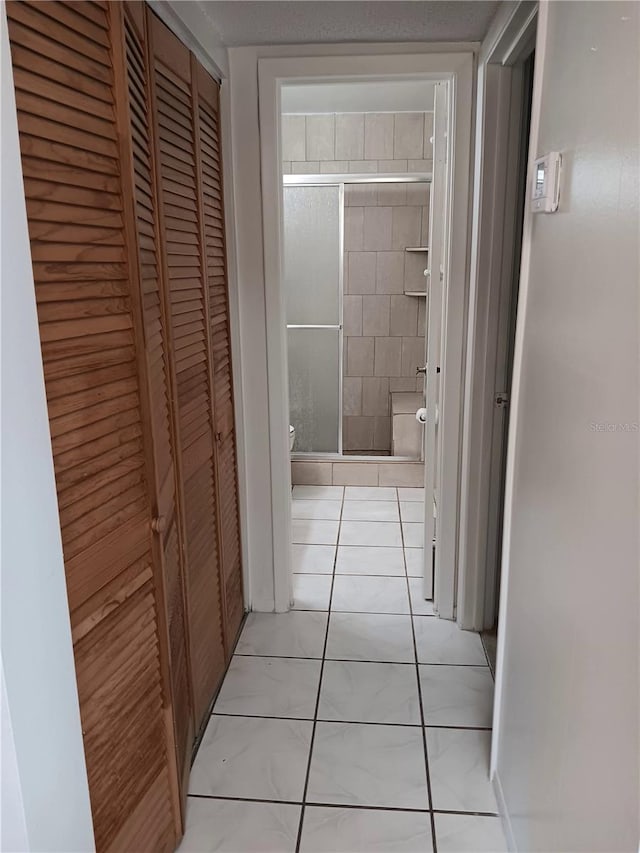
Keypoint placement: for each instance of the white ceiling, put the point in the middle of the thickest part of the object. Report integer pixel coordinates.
(379, 97)
(247, 22)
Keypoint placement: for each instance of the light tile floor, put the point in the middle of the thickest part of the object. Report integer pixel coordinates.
(359, 721)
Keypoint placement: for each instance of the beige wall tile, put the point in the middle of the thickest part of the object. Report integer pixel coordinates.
(352, 315)
(418, 194)
(334, 167)
(378, 136)
(403, 318)
(405, 229)
(392, 166)
(422, 316)
(375, 396)
(353, 229)
(293, 138)
(357, 167)
(355, 473)
(345, 273)
(408, 135)
(286, 167)
(407, 474)
(393, 195)
(382, 433)
(420, 166)
(388, 357)
(360, 356)
(390, 272)
(413, 355)
(350, 136)
(424, 231)
(427, 152)
(309, 167)
(362, 272)
(361, 195)
(377, 228)
(358, 433)
(401, 383)
(352, 395)
(375, 315)
(415, 264)
(321, 132)
(406, 436)
(311, 473)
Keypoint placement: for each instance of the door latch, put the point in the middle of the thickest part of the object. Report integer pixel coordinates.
(502, 399)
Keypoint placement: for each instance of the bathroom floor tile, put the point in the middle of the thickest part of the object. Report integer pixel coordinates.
(269, 687)
(370, 594)
(311, 592)
(369, 560)
(370, 493)
(459, 770)
(412, 511)
(368, 765)
(317, 559)
(336, 830)
(252, 757)
(366, 636)
(293, 634)
(441, 641)
(456, 695)
(466, 833)
(359, 692)
(314, 532)
(227, 826)
(415, 562)
(370, 511)
(413, 534)
(385, 533)
(407, 494)
(320, 509)
(420, 606)
(318, 493)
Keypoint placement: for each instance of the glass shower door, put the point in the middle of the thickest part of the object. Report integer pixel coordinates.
(313, 288)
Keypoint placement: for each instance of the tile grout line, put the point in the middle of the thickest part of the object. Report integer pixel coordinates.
(353, 722)
(317, 706)
(422, 717)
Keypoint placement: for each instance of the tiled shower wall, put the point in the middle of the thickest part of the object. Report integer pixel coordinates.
(383, 343)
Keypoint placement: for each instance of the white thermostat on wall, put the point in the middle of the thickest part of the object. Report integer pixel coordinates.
(545, 194)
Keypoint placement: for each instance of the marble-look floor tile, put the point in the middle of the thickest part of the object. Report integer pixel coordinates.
(407, 494)
(314, 532)
(442, 641)
(227, 826)
(382, 533)
(269, 687)
(466, 833)
(365, 765)
(336, 830)
(320, 509)
(366, 636)
(293, 634)
(369, 693)
(415, 562)
(370, 493)
(318, 493)
(420, 606)
(370, 511)
(413, 534)
(252, 757)
(369, 560)
(459, 770)
(412, 511)
(456, 695)
(317, 559)
(370, 594)
(311, 592)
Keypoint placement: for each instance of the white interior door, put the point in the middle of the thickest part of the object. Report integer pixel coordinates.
(436, 281)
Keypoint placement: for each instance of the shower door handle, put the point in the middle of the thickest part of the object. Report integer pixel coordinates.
(421, 370)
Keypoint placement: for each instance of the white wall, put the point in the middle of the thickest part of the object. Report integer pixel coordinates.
(567, 750)
(45, 799)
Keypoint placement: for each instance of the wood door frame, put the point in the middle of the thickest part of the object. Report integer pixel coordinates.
(498, 149)
(272, 73)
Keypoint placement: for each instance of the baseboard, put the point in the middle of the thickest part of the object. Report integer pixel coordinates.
(504, 814)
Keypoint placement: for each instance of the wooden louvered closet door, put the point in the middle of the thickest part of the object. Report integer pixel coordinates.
(66, 70)
(180, 214)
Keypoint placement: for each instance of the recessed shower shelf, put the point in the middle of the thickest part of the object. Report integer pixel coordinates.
(416, 248)
(415, 293)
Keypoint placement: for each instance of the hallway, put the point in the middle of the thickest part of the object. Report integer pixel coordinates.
(358, 721)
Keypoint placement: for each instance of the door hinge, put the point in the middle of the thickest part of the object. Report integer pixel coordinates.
(502, 399)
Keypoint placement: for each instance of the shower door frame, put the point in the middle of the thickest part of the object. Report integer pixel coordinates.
(339, 180)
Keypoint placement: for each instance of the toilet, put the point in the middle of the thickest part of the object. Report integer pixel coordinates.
(292, 437)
